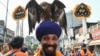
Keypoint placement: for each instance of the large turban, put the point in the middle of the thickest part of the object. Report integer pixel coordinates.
(48, 27)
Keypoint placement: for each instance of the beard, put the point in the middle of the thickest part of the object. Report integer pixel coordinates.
(47, 52)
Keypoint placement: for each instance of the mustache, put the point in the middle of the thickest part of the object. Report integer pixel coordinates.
(47, 45)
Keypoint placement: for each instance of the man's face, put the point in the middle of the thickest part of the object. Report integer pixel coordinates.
(49, 43)
(6, 47)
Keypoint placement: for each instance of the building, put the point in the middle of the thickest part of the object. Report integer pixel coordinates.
(65, 41)
(95, 42)
(72, 21)
(9, 33)
(80, 37)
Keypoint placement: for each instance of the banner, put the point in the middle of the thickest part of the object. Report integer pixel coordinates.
(96, 34)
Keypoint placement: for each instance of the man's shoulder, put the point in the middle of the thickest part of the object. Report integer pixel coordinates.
(19, 53)
(58, 53)
(36, 54)
(8, 53)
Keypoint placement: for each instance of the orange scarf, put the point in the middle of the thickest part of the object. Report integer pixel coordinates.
(58, 53)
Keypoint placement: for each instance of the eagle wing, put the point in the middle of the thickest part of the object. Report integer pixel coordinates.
(58, 14)
(34, 12)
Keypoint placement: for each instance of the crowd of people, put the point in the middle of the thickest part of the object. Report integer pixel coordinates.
(83, 51)
(47, 33)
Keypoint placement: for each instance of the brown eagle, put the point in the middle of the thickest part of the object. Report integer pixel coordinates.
(46, 11)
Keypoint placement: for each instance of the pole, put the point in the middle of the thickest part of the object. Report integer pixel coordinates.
(5, 25)
(84, 26)
(17, 28)
(21, 28)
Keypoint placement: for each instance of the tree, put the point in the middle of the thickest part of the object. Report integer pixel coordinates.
(34, 46)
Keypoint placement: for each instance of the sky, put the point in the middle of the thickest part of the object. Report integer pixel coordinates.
(70, 4)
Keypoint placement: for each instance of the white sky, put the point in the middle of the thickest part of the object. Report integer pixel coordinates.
(69, 6)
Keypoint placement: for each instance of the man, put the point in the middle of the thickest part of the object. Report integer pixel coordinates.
(84, 51)
(6, 48)
(48, 33)
(16, 45)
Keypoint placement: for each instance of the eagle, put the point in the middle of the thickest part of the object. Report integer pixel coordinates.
(54, 11)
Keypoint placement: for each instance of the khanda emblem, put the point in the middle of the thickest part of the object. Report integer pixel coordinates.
(19, 13)
(82, 10)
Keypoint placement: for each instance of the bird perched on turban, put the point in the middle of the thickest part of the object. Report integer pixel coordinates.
(46, 11)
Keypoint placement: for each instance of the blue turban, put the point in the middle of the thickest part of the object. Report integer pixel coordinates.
(83, 45)
(48, 27)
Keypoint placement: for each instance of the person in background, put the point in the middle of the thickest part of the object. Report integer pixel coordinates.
(84, 51)
(24, 49)
(61, 50)
(66, 53)
(69, 53)
(16, 44)
(73, 53)
(48, 33)
(78, 53)
(6, 48)
(1, 54)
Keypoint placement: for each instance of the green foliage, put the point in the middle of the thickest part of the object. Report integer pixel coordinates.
(31, 42)
(33, 47)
